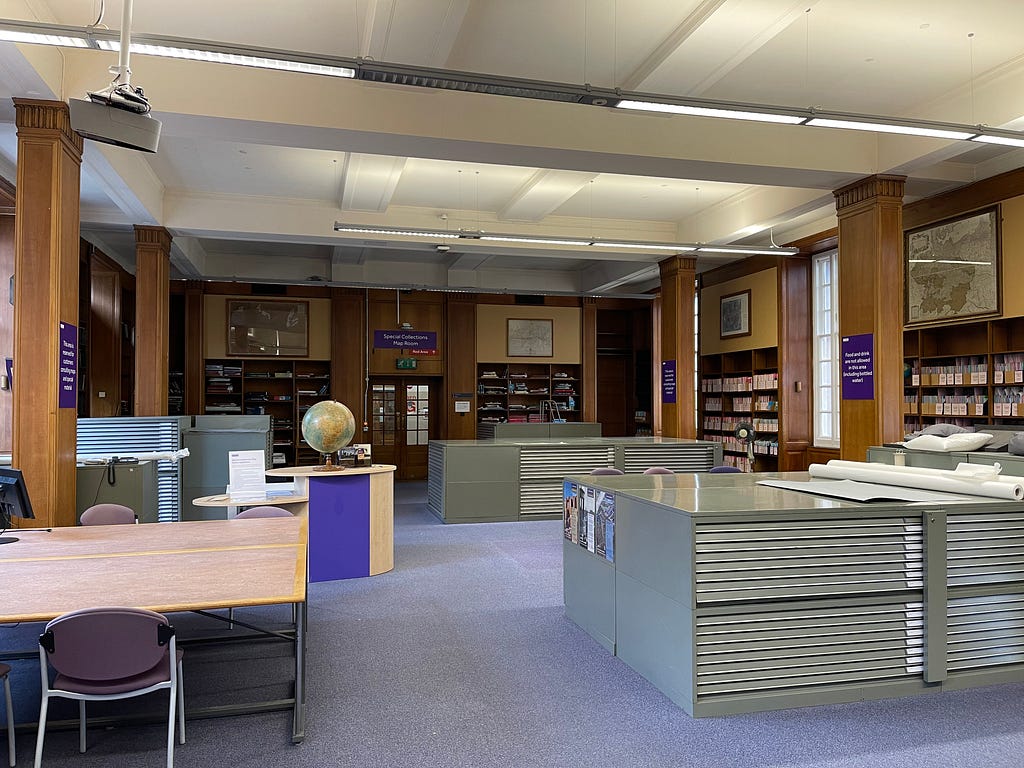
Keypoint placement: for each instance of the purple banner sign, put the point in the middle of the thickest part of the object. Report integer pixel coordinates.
(68, 366)
(858, 367)
(400, 339)
(668, 381)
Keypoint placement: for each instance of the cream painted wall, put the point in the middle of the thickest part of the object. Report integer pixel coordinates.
(1013, 256)
(492, 333)
(764, 313)
(215, 327)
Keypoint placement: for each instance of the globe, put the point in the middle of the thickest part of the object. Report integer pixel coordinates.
(328, 426)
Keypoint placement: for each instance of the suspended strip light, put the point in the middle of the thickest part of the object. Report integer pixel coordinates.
(473, 82)
(548, 240)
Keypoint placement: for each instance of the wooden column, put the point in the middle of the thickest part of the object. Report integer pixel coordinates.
(152, 323)
(678, 273)
(348, 354)
(195, 343)
(46, 295)
(871, 302)
(459, 366)
(6, 330)
(589, 357)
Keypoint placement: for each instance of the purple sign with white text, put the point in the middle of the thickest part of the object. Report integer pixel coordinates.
(857, 367)
(668, 381)
(403, 339)
(68, 365)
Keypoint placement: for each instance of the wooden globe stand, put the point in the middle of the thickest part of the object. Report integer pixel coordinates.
(328, 465)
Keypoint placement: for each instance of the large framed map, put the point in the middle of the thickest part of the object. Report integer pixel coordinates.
(952, 269)
(529, 338)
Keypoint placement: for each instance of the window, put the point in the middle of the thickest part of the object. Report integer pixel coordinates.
(826, 350)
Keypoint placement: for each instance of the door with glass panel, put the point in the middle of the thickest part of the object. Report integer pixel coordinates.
(401, 411)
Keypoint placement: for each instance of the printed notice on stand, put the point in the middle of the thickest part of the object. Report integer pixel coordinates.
(247, 475)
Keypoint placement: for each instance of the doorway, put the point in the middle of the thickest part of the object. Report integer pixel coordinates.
(402, 422)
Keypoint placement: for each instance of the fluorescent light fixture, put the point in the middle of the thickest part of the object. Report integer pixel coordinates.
(644, 246)
(881, 127)
(534, 240)
(711, 111)
(958, 261)
(38, 38)
(397, 231)
(496, 237)
(920, 261)
(748, 251)
(1009, 141)
(224, 57)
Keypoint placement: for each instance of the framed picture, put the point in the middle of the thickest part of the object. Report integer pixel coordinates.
(530, 338)
(735, 315)
(951, 269)
(268, 328)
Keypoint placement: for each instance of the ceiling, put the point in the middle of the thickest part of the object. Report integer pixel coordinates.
(255, 166)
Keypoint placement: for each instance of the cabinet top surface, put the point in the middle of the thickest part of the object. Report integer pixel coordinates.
(702, 494)
(577, 442)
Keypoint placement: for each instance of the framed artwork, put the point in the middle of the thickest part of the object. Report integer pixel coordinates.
(951, 269)
(268, 328)
(530, 338)
(735, 315)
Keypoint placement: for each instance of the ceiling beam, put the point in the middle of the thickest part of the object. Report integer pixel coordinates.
(543, 193)
(369, 181)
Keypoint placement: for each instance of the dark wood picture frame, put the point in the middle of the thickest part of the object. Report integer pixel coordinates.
(734, 315)
(529, 337)
(935, 290)
(267, 328)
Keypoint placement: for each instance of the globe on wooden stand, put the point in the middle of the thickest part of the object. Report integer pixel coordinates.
(328, 427)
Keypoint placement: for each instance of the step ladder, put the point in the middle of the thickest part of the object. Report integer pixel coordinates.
(554, 415)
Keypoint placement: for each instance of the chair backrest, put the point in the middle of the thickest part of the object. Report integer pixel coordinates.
(658, 471)
(724, 469)
(263, 512)
(108, 514)
(102, 644)
(607, 471)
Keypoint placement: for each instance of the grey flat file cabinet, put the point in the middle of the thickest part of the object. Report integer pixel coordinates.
(735, 597)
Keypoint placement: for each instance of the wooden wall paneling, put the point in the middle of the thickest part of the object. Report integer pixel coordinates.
(796, 381)
(6, 328)
(424, 311)
(656, 366)
(152, 319)
(104, 342)
(677, 296)
(589, 357)
(195, 381)
(460, 368)
(46, 294)
(963, 200)
(871, 301)
(348, 354)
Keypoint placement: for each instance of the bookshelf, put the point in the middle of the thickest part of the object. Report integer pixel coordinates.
(742, 387)
(519, 393)
(281, 389)
(969, 374)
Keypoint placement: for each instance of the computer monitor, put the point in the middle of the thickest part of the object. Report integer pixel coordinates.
(14, 500)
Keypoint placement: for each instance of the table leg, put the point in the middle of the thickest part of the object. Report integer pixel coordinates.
(299, 710)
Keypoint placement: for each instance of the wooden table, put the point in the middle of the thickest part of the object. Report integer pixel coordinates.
(164, 567)
(296, 503)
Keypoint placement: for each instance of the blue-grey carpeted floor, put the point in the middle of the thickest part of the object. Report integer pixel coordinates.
(462, 656)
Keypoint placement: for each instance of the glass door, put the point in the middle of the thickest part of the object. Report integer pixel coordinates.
(401, 425)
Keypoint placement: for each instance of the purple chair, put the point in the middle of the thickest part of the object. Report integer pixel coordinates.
(101, 654)
(262, 512)
(607, 471)
(658, 471)
(724, 469)
(5, 673)
(108, 514)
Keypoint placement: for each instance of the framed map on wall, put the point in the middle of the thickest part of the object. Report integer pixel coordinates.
(952, 269)
(529, 338)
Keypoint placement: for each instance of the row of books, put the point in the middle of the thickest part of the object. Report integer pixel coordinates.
(223, 369)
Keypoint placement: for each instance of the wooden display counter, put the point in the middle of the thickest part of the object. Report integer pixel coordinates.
(351, 519)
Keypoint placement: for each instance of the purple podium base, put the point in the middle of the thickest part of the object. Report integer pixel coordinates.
(339, 527)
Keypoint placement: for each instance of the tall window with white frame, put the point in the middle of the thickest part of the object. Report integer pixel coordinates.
(826, 350)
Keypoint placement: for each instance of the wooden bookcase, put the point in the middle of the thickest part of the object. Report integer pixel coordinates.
(519, 392)
(742, 387)
(281, 389)
(969, 374)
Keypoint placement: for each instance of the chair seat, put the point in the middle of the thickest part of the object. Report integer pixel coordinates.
(158, 674)
(5, 669)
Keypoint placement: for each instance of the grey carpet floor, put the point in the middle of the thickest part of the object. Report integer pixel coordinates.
(462, 656)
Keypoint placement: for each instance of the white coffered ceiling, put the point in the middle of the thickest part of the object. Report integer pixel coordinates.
(255, 166)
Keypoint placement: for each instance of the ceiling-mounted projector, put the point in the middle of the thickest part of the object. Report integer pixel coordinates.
(113, 124)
